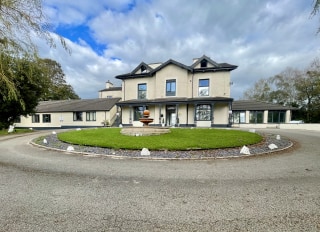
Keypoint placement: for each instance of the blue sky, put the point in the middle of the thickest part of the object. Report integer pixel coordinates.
(111, 37)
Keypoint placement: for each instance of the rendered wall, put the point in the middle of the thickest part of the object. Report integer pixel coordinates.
(219, 83)
(64, 119)
(221, 114)
(286, 126)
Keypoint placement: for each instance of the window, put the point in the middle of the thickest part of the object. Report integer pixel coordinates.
(91, 116)
(17, 119)
(46, 118)
(143, 69)
(276, 116)
(203, 112)
(256, 117)
(203, 64)
(142, 91)
(239, 117)
(138, 112)
(171, 88)
(35, 118)
(204, 87)
(77, 116)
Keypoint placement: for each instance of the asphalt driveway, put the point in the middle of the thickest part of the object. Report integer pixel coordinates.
(45, 190)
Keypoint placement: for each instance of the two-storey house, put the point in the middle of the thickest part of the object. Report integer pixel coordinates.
(177, 94)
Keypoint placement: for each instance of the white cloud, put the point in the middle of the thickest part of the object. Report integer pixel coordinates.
(261, 37)
(86, 71)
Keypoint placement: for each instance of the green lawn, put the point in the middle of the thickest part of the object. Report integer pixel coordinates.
(17, 131)
(178, 139)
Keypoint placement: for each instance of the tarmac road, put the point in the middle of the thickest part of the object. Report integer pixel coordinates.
(44, 190)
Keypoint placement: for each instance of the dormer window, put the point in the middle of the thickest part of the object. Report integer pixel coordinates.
(143, 69)
(203, 63)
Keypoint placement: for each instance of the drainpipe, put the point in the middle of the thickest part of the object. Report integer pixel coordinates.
(195, 115)
(160, 114)
(192, 83)
(177, 115)
(124, 90)
(130, 112)
(212, 114)
(187, 115)
(230, 114)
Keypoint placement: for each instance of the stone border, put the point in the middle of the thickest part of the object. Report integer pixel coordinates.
(144, 131)
(255, 150)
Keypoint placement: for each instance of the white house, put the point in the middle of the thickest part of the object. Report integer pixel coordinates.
(71, 114)
(110, 91)
(261, 114)
(175, 94)
(178, 94)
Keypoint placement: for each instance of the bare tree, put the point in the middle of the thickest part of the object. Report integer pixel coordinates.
(260, 91)
(315, 11)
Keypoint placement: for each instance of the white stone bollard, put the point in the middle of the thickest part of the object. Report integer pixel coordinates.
(145, 152)
(245, 150)
(70, 148)
(11, 129)
(272, 146)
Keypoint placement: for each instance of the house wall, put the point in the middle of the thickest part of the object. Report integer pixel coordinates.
(221, 114)
(265, 124)
(130, 90)
(286, 126)
(187, 85)
(108, 94)
(219, 83)
(65, 119)
(183, 83)
(185, 115)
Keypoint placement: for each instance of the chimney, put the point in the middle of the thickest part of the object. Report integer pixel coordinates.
(109, 85)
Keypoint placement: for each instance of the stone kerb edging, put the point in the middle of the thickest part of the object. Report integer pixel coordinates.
(255, 150)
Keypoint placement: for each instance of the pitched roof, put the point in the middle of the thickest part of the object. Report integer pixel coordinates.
(151, 71)
(111, 89)
(142, 64)
(258, 105)
(216, 66)
(98, 104)
(172, 62)
(204, 57)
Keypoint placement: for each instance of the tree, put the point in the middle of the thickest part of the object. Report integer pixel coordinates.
(292, 87)
(20, 21)
(260, 91)
(283, 87)
(57, 89)
(35, 80)
(315, 10)
(30, 83)
(308, 88)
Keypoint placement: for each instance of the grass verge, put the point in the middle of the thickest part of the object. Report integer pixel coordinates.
(178, 139)
(16, 131)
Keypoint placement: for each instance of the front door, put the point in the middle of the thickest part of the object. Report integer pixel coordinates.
(171, 116)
